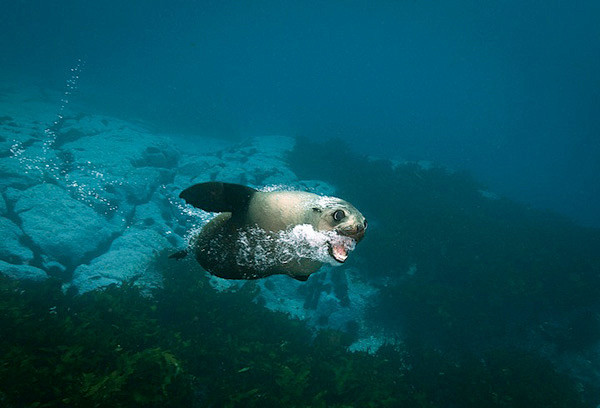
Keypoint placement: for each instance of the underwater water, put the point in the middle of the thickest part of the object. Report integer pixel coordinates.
(467, 133)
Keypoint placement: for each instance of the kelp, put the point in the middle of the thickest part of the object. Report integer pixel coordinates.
(454, 259)
(93, 350)
(460, 270)
(489, 281)
(189, 345)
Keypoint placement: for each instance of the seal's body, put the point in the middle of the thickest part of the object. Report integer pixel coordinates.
(259, 234)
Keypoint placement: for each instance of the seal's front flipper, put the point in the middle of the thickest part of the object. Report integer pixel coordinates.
(218, 197)
(179, 255)
(301, 278)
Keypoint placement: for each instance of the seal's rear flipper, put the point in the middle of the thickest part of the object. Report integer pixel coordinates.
(179, 254)
(215, 196)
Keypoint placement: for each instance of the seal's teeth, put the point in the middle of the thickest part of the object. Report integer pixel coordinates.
(339, 252)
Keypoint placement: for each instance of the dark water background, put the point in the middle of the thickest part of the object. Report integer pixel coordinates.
(486, 302)
(509, 90)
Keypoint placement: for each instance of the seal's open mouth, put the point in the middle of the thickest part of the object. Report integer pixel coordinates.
(341, 244)
(338, 251)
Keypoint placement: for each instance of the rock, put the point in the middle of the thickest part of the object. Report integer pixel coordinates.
(106, 168)
(194, 166)
(3, 208)
(489, 195)
(130, 256)
(22, 271)
(113, 151)
(20, 172)
(233, 172)
(140, 183)
(55, 269)
(197, 169)
(273, 146)
(26, 103)
(158, 216)
(325, 300)
(149, 215)
(261, 170)
(183, 219)
(64, 229)
(257, 162)
(11, 249)
(315, 186)
(77, 125)
(11, 195)
(370, 344)
(161, 156)
(280, 293)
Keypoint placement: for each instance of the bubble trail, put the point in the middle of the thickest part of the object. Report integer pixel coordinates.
(70, 87)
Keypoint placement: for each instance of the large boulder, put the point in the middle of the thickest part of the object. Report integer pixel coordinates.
(257, 162)
(159, 215)
(27, 272)
(21, 171)
(63, 228)
(11, 249)
(116, 149)
(3, 207)
(25, 129)
(130, 256)
(116, 165)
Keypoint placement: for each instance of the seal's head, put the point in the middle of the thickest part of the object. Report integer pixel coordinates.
(342, 218)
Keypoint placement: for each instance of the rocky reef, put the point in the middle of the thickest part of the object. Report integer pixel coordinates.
(91, 200)
(456, 298)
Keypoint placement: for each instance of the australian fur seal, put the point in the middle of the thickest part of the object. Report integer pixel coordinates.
(259, 234)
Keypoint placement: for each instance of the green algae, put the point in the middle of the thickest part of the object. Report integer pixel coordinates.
(186, 344)
(191, 346)
(464, 272)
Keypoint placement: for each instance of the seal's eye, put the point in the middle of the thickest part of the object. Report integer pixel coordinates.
(339, 215)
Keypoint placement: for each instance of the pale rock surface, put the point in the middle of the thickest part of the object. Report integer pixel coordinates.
(25, 272)
(3, 208)
(130, 256)
(11, 249)
(63, 228)
(99, 196)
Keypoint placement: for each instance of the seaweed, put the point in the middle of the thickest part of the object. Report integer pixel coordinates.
(455, 259)
(461, 272)
(488, 274)
(189, 345)
(93, 350)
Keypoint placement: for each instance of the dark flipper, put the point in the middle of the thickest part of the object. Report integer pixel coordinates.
(301, 278)
(218, 197)
(179, 254)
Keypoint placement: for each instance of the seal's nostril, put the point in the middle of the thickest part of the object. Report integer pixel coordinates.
(365, 226)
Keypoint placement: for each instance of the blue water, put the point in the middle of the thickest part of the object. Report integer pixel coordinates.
(476, 283)
(508, 90)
